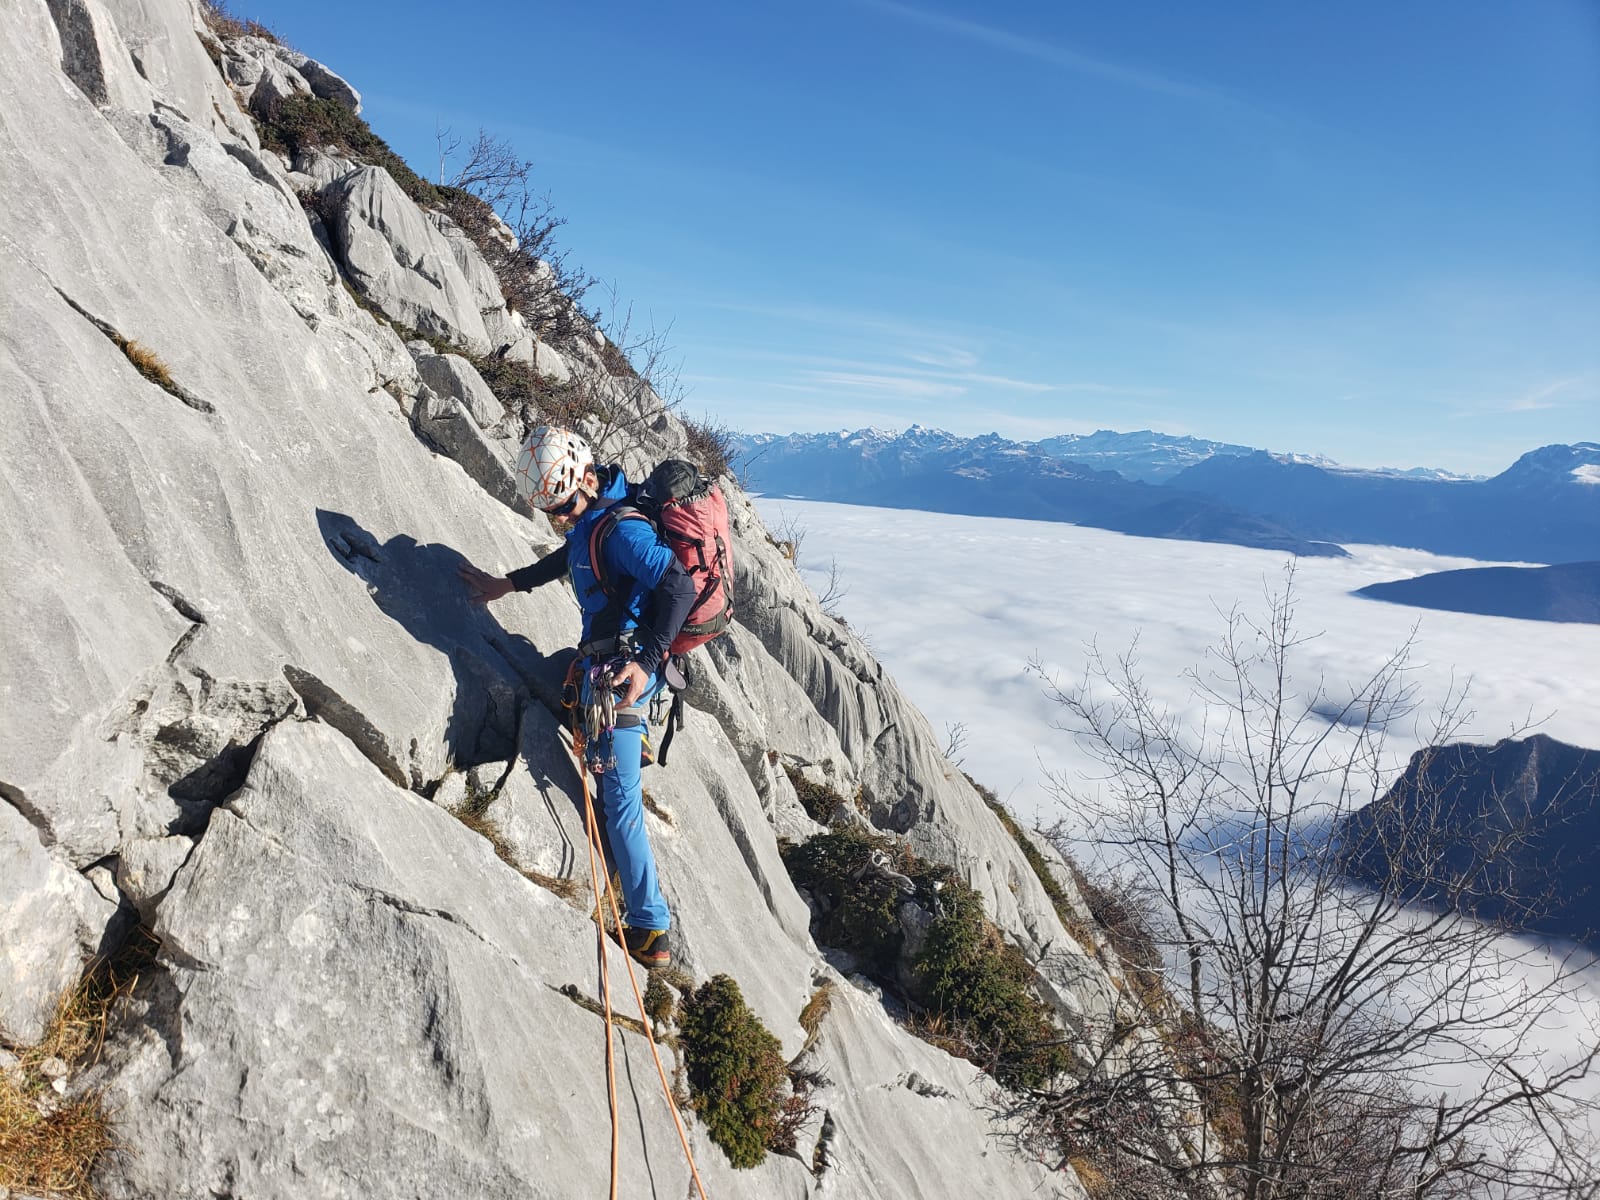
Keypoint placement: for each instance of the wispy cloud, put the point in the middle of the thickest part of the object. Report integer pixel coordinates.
(1055, 54)
(905, 387)
(1558, 393)
(1571, 391)
(951, 359)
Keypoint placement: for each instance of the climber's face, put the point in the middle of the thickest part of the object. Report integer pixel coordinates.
(565, 516)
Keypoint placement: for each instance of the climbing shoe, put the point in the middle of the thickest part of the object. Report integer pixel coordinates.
(648, 946)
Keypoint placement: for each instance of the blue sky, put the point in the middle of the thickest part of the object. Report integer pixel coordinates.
(1365, 230)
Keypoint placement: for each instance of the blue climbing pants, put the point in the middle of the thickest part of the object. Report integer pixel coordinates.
(644, 907)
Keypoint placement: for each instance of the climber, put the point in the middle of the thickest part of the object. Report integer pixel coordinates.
(623, 650)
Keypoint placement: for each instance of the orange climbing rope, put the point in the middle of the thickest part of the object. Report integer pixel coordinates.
(592, 828)
(605, 964)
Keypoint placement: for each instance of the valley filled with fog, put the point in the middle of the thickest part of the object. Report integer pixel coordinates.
(957, 607)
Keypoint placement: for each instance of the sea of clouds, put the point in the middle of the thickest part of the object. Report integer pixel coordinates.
(957, 607)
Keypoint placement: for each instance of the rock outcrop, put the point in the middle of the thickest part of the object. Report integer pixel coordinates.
(242, 684)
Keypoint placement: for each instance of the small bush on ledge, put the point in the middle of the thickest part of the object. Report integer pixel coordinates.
(737, 1077)
(818, 799)
(970, 991)
(306, 122)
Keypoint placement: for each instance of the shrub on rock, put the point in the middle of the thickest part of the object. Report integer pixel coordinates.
(306, 122)
(971, 990)
(737, 1076)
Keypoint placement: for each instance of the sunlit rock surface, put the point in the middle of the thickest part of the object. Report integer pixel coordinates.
(242, 682)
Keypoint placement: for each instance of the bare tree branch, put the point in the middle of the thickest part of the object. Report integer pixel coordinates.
(1345, 1040)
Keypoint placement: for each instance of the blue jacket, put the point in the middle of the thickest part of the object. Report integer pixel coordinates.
(632, 550)
(661, 591)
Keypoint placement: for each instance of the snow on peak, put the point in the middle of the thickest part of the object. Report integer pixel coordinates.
(1588, 473)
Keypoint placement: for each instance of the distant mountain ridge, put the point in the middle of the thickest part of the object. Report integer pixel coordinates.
(991, 476)
(1544, 508)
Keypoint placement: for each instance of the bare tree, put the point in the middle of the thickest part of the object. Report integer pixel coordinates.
(491, 197)
(790, 534)
(833, 590)
(639, 381)
(955, 742)
(1344, 1041)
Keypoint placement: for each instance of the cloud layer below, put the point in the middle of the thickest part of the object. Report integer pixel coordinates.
(957, 607)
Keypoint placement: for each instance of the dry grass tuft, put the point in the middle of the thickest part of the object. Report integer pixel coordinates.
(710, 445)
(51, 1149)
(148, 363)
(1095, 1181)
(654, 808)
(51, 1142)
(816, 1009)
(227, 26)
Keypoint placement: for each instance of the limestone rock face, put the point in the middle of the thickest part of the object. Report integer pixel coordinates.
(547, 360)
(167, 46)
(239, 656)
(448, 424)
(146, 866)
(265, 72)
(453, 376)
(52, 918)
(401, 263)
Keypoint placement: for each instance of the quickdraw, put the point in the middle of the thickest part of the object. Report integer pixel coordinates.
(596, 718)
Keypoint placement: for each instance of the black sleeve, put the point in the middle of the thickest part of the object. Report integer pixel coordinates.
(551, 567)
(666, 610)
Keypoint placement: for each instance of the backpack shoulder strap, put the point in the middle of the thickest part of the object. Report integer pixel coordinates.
(620, 511)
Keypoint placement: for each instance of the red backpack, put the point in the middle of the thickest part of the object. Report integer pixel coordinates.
(690, 513)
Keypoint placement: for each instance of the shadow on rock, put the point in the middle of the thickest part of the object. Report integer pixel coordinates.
(417, 585)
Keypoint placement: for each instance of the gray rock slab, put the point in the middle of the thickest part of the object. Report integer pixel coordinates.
(449, 425)
(453, 376)
(52, 918)
(905, 1116)
(94, 56)
(379, 1011)
(266, 72)
(401, 263)
(475, 270)
(145, 868)
(538, 809)
(165, 42)
(550, 362)
(244, 510)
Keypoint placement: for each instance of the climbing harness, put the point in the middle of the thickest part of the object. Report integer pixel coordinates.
(571, 698)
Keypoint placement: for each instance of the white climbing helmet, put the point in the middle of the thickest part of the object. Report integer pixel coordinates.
(551, 466)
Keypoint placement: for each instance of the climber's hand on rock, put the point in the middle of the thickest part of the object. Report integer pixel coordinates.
(483, 587)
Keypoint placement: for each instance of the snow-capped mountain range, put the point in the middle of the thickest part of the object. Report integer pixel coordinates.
(1543, 508)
